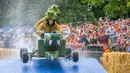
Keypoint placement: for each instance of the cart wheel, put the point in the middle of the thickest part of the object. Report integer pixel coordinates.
(75, 56)
(23, 50)
(25, 57)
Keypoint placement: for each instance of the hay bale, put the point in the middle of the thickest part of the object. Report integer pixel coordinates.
(5, 53)
(116, 62)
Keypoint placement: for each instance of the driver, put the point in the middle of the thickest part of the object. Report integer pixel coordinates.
(48, 23)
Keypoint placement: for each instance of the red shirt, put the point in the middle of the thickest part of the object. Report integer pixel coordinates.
(103, 39)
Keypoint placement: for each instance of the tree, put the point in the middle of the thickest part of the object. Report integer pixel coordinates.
(116, 8)
(76, 13)
(96, 7)
(111, 8)
(95, 3)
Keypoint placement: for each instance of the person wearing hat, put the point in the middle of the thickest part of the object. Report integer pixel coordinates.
(48, 22)
(47, 25)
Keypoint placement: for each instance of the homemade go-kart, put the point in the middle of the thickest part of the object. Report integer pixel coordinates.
(43, 49)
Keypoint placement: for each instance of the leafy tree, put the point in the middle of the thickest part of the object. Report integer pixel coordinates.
(111, 8)
(95, 3)
(116, 8)
(76, 13)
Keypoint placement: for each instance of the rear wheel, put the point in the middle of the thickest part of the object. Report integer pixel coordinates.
(21, 51)
(25, 57)
(75, 56)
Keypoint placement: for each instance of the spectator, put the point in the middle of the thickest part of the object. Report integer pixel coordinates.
(103, 39)
(84, 40)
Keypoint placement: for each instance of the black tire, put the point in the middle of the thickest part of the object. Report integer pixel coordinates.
(25, 57)
(23, 50)
(75, 56)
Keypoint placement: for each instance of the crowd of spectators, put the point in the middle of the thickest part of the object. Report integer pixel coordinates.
(106, 34)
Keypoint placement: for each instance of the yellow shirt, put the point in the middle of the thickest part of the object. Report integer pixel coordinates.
(42, 20)
(47, 28)
(41, 26)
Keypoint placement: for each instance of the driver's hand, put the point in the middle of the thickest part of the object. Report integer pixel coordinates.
(39, 32)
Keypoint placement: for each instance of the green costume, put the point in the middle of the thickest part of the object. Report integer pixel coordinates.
(52, 12)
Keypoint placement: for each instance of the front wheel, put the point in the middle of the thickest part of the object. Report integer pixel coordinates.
(75, 56)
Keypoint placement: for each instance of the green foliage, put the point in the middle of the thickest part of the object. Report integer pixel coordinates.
(128, 4)
(95, 3)
(96, 7)
(111, 8)
(116, 9)
(82, 11)
(76, 13)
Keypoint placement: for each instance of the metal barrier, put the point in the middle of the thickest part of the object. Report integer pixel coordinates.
(94, 51)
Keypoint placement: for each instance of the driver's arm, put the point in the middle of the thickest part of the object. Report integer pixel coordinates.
(40, 29)
(38, 23)
(58, 28)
